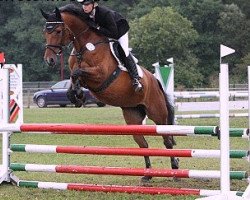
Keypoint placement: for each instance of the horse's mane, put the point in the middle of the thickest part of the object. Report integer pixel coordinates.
(74, 10)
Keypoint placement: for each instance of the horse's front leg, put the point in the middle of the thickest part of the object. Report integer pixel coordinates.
(75, 94)
(74, 98)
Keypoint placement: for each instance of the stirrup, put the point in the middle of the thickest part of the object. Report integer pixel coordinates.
(137, 85)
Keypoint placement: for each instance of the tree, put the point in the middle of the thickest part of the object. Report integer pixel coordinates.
(204, 15)
(240, 72)
(161, 34)
(144, 7)
(233, 27)
(24, 41)
(120, 6)
(244, 5)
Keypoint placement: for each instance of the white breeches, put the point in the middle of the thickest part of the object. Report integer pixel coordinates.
(124, 43)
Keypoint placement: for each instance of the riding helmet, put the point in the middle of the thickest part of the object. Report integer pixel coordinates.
(86, 2)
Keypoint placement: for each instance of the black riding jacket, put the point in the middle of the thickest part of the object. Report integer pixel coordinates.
(112, 24)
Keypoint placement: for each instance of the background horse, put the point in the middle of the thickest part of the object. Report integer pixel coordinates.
(93, 66)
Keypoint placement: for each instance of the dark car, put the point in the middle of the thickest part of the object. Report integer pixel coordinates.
(56, 95)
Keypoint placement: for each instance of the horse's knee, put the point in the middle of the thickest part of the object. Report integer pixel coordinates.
(76, 74)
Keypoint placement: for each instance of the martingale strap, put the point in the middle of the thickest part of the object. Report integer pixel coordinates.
(108, 81)
(83, 49)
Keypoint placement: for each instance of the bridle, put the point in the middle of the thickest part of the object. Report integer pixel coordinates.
(79, 54)
(50, 28)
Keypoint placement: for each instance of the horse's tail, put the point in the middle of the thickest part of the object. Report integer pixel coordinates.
(170, 108)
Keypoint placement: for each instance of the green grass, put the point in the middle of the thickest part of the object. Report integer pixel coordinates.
(111, 115)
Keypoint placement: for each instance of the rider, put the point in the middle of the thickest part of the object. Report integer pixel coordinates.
(113, 25)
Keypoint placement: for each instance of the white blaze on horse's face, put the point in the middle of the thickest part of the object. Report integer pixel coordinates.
(54, 41)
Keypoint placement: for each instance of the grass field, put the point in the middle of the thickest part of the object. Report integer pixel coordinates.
(111, 115)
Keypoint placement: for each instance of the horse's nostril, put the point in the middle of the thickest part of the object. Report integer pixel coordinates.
(51, 62)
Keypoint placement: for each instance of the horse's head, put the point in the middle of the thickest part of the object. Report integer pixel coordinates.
(56, 34)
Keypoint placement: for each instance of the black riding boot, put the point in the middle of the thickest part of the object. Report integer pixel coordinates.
(133, 73)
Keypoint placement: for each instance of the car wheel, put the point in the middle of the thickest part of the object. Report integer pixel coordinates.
(41, 102)
(62, 105)
(100, 104)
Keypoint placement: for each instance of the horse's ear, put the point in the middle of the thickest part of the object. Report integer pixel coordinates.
(45, 15)
(58, 14)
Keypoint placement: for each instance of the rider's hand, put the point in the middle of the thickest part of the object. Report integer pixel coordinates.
(93, 25)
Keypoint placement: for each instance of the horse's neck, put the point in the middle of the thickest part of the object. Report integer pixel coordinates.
(81, 31)
(76, 26)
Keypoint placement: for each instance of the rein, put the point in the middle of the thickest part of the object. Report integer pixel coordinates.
(51, 26)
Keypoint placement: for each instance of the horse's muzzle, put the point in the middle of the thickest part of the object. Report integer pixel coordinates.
(51, 62)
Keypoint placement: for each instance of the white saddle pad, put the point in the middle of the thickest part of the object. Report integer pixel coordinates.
(120, 65)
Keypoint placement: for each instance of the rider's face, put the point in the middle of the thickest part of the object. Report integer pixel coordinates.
(88, 8)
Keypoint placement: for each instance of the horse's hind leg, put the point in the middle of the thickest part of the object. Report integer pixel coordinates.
(166, 116)
(169, 142)
(136, 116)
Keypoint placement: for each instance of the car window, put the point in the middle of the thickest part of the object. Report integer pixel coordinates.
(67, 84)
(61, 85)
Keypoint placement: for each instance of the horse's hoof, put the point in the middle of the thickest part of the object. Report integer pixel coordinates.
(71, 96)
(175, 163)
(145, 180)
(78, 104)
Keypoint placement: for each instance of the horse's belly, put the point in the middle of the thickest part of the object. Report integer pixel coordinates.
(120, 100)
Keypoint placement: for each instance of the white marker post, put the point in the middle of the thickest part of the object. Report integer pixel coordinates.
(224, 131)
(224, 122)
(4, 119)
(246, 194)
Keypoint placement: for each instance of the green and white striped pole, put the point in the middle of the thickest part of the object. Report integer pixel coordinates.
(123, 171)
(195, 153)
(119, 188)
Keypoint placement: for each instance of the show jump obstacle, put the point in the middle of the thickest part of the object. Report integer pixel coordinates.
(11, 96)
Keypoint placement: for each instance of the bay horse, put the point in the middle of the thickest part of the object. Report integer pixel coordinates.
(94, 66)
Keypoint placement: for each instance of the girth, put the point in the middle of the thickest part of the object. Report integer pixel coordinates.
(108, 81)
